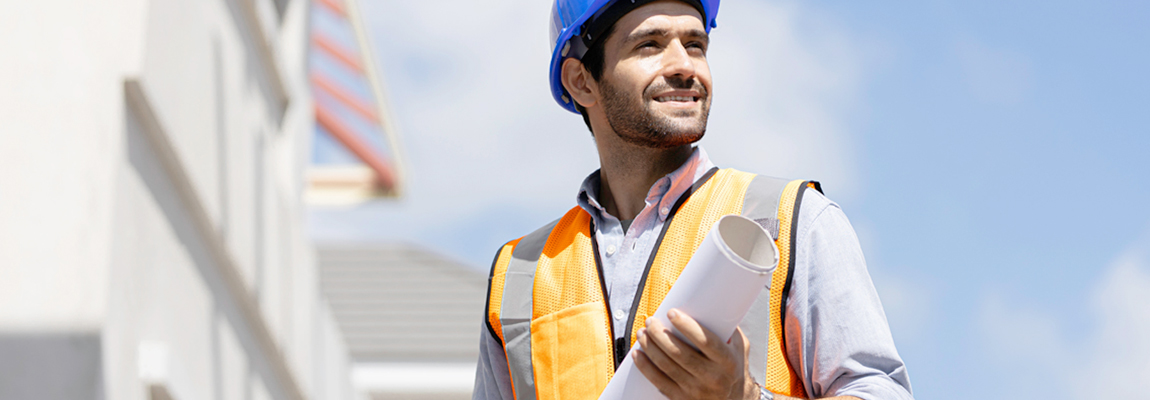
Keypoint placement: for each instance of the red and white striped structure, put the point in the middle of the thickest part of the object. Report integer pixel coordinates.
(351, 108)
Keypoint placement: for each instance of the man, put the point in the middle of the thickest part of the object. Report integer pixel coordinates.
(569, 301)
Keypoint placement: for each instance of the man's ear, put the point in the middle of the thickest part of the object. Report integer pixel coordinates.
(579, 83)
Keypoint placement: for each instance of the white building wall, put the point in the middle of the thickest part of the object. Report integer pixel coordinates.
(151, 237)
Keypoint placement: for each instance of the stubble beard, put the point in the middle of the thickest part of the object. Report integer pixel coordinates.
(635, 122)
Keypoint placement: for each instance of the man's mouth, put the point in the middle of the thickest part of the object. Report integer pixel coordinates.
(664, 99)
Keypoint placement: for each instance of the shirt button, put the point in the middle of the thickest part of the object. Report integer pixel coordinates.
(665, 210)
(610, 249)
(619, 315)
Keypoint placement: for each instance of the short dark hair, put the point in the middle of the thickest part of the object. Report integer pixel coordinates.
(593, 62)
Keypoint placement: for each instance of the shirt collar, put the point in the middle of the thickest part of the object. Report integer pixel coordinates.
(663, 194)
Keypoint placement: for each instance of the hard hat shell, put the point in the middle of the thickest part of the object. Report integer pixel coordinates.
(567, 19)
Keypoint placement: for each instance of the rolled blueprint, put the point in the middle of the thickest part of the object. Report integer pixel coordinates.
(716, 288)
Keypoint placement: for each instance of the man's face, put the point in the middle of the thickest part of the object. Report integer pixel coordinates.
(656, 84)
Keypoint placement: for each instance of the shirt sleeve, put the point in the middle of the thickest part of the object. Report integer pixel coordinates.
(837, 334)
(492, 381)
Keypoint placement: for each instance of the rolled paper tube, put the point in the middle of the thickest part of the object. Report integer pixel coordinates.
(716, 288)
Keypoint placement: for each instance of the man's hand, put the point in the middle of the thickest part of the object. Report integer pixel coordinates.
(717, 370)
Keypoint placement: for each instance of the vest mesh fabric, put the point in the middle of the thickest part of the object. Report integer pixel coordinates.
(567, 275)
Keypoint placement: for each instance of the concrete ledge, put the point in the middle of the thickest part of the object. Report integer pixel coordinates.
(386, 380)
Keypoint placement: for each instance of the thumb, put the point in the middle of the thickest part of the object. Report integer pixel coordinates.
(738, 341)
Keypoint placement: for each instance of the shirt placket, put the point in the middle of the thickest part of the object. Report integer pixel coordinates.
(626, 254)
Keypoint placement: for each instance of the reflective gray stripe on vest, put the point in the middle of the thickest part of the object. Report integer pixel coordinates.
(761, 204)
(515, 313)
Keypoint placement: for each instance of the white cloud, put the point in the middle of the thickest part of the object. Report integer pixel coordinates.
(1114, 359)
(489, 150)
(1118, 359)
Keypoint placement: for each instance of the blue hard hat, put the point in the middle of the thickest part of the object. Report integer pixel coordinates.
(569, 19)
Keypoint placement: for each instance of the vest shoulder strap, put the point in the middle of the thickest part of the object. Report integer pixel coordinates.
(774, 204)
(761, 204)
(509, 319)
(518, 258)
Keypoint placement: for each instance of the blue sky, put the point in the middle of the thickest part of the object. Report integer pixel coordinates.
(991, 155)
(1004, 149)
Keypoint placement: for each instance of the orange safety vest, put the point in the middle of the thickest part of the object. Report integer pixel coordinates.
(547, 305)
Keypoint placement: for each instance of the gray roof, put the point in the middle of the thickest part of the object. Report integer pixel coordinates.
(400, 302)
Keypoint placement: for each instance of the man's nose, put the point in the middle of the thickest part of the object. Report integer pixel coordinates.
(676, 61)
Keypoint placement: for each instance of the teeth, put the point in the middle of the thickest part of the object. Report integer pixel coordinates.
(676, 98)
